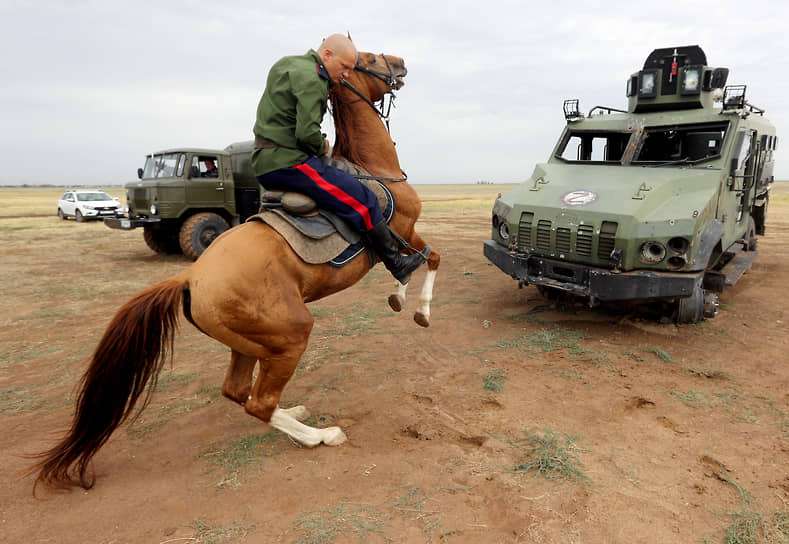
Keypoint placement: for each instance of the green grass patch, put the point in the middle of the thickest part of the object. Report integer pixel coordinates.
(15, 400)
(206, 534)
(339, 523)
(691, 398)
(660, 353)
(550, 455)
(494, 380)
(245, 455)
(172, 380)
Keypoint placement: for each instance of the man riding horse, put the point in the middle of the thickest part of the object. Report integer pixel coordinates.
(288, 142)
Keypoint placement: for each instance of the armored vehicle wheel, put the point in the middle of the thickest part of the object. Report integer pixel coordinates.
(162, 240)
(199, 231)
(79, 217)
(750, 235)
(697, 306)
(759, 214)
(61, 214)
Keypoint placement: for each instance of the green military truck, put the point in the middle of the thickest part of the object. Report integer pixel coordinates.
(660, 203)
(186, 197)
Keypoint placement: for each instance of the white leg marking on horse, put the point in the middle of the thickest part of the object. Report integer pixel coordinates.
(422, 315)
(303, 434)
(397, 299)
(299, 413)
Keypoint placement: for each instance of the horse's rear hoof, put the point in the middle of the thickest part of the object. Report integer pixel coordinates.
(421, 319)
(396, 302)
(333, 436)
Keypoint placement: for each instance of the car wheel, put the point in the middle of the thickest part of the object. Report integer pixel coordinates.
(79, 217)
(199, 231)
(162, 240)
(61, 214)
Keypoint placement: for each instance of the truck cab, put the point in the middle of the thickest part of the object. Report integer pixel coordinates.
(661, 202)
(185, 197)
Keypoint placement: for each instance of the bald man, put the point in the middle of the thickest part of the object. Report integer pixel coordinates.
(289, 142)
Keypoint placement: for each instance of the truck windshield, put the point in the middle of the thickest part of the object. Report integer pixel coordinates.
(160, 166)
(602, 146)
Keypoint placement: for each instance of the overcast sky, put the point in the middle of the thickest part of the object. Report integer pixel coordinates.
(90, 87)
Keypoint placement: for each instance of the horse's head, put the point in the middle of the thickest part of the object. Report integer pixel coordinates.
(376, 75)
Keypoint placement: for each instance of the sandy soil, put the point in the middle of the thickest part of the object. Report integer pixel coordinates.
(642, 432)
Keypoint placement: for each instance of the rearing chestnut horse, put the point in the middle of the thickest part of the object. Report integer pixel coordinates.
(249, 291)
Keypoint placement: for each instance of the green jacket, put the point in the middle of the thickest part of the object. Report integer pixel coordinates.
(290, 112)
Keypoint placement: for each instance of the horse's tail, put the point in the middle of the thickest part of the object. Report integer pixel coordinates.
(130, 354)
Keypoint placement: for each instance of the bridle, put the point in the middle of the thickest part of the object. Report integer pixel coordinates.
(383, 110)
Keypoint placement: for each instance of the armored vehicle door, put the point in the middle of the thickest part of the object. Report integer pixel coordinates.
(736, 199)
(210, 182)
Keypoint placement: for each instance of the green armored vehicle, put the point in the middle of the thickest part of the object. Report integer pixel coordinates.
(186, 197)
(660, 203)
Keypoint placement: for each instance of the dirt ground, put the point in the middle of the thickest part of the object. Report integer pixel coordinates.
(507, 420)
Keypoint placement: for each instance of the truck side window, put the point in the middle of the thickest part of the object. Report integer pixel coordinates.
(181, 164)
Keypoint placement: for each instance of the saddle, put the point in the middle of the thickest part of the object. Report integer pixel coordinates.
(318, 236)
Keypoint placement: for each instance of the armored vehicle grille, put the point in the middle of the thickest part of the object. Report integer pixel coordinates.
(563, 239)
(583, 241)
(524, 231)
(607, 239)
(139, 194)
(544, 234)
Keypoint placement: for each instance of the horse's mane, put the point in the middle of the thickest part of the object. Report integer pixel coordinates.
(342, 132)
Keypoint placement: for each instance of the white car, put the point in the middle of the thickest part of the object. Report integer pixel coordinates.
(87, 204)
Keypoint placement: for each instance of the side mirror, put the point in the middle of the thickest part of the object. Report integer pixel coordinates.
(139, 173)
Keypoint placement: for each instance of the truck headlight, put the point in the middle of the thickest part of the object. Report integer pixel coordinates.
(652, 252)
(154, 209)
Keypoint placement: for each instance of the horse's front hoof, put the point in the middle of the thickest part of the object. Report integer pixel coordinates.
(421, 319)
(333, 436)
(396, 302)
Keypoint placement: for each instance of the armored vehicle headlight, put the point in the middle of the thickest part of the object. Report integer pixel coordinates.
(504, 231)
(153, 209)
(652, 252)
(678, 245)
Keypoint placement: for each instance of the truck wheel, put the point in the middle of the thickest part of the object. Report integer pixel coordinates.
(79, 217)
(199, 231)
(163, 241)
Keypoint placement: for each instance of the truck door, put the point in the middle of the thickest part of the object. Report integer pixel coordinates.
(210, 183)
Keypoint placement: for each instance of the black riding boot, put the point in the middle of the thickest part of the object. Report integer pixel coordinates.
(401, 266)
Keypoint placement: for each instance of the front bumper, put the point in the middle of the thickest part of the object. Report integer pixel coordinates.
(591, 282)
(129, 223)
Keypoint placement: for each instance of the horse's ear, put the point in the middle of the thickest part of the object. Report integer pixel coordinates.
(349, 36)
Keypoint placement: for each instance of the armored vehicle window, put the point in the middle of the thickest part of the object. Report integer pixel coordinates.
(598, 146)
(681, 144)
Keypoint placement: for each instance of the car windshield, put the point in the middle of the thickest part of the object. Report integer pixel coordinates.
(87, 197)
(650, 146)
(160, 166)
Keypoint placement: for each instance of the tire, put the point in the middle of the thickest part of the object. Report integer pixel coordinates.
(79, 217)
(61, 214)
(750, 235)
(759, 214)
(699, 305)
(199, 231)
(163, 241)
